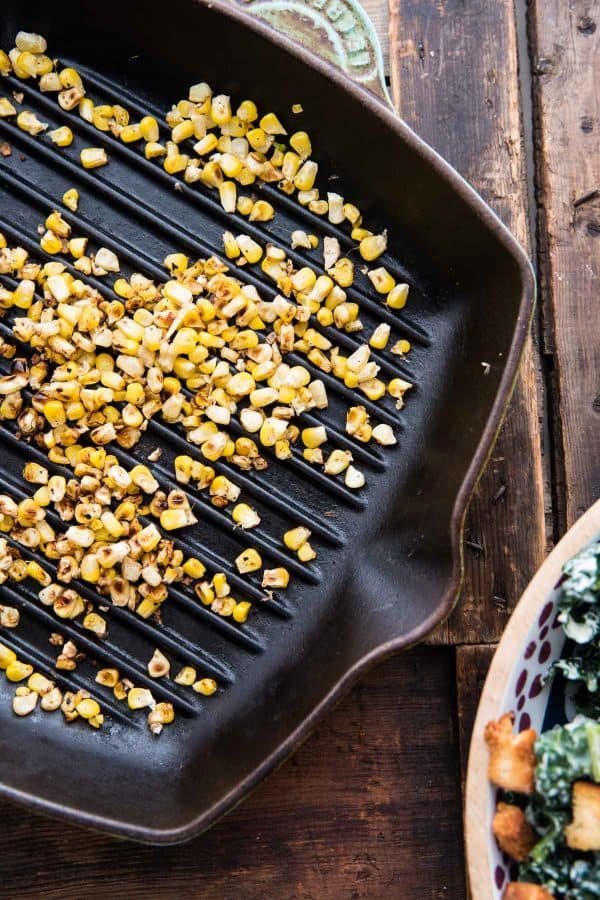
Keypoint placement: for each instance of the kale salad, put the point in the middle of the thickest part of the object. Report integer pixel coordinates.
(548, 817)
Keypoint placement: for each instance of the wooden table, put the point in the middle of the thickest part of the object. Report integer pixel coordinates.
(370, 806)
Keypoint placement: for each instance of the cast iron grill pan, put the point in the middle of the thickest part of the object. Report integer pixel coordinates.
(387, 567)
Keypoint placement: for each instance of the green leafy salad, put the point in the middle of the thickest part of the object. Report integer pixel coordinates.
(549, 817)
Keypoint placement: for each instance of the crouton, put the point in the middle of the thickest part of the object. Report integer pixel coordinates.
(513, 832)
(584, 831)
(520, 890)
(512, 760)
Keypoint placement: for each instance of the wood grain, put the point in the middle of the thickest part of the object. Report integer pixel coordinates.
(349, 817)
(454, 72)
(567, 70)
(472, 664)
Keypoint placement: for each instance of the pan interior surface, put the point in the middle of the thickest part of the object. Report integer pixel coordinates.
(387, 567)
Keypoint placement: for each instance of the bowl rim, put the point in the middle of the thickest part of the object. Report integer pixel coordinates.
(477, 836)
(449, 598)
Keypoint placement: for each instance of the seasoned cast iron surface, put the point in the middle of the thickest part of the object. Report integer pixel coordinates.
(385, 568)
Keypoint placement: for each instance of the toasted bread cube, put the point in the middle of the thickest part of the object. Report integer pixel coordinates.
(584, 831)
(520, 890)
(513, 832)
(512, 760)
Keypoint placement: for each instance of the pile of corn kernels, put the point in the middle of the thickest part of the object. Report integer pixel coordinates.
(200, 350)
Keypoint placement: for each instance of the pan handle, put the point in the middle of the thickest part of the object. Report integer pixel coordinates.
(339, 31)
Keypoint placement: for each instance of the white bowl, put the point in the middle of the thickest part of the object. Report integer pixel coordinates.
(532, 641)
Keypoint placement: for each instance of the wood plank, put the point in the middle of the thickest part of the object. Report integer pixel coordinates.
(378, 13)
(566, 51)
(454, 71)
(368, 808)
(472, 664)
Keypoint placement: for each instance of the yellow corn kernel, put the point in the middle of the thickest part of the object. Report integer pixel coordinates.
(94, 622)
(7, 656)
(54, 412)
(107, 677)
(131, 133)
(374, 389)
(88, 708)
(6, 108)
(373, 246)
(248, 561)
(171, 519)
(300, 142)
(295, 537)
(397, 297)
(39, 683)
(276, 578)
(381, 280)
(186, 676)
(5, 64)
(154, 149)
(77, 247)
(138, 698)
(270, 124)
(205, 686)
(29, 122)
(313, 437)
(51, 243)
(251, 251)
(18, 671)
(397, 387)
(380, 337)
(93, 157)
(228, 196)
(306, 552)
(261, 212)
(194, 568)
(220, 109)
(62, 137)
(244, 206)
(241, 611)
(244, 516)
(306, 176)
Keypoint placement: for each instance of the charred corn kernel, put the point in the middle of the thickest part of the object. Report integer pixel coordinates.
(337, 462)
(314, 436)
(70, 78)
(251, 251)
(397, 297)
(241, 611)
(380, 337)
(261, 212)
(171, 519)
(306, 552)
(62, 137)
(24, 704)
(373, 246)
(159, 665)
(7, 656)
(39, 683)
(295, 537)
(107, 677)
(384, 435)
(381, 280)
(306, 176)
(18, 671)
(35, 473)
(29, 122)
(93, 157)
(162, 714)
(77, 247)
(88, 708)
(248, 561)
(244, 516)
(5, 64)
(138, 698)
(95, 623)
(205, 686)
(276, 578)
(120, 690)
(186, 676)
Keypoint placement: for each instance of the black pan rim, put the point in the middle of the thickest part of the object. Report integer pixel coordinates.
(191, 829)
